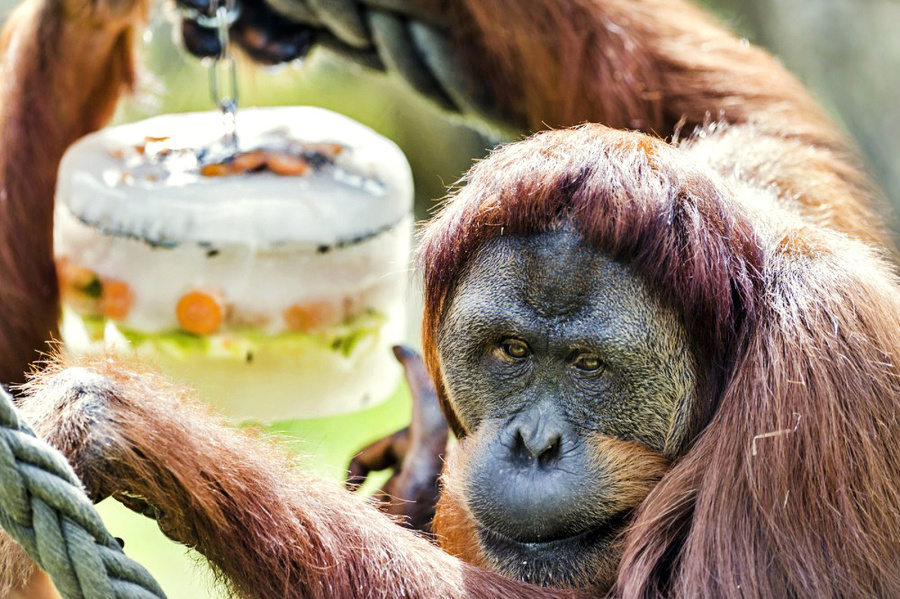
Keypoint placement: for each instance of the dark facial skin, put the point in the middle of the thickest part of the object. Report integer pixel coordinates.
(566, 373)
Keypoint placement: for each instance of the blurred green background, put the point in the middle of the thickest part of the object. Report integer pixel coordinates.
(846, 51)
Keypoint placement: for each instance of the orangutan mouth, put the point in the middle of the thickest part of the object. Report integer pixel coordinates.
(552, 562)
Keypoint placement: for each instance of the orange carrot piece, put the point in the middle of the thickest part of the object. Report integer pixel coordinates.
(285, 164)
(249, 161)
(329, 150)
(79, 287)
(200, 312)
(73, 276)
(311, 316)
(116, 299)
(216, 169)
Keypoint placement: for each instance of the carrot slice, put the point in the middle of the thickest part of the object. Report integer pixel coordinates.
(311, 316)
(73, 276)
(249, 161)
(116, 299)
(216, 169)
(329, 150)
(285, 164)
(200, 313)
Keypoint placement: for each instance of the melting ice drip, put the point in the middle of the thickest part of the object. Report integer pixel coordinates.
(223, 86)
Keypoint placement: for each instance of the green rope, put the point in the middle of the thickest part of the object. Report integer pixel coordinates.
(44, 508)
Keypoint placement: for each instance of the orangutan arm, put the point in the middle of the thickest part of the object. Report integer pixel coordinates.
(64, 64)
(635, 64)
(272, 531)
(659, 66)
(645, 64)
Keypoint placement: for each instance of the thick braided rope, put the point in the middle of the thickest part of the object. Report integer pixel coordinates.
(393, 35)
(43, 507)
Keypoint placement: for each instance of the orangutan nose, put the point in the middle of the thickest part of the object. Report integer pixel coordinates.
(537, 437)
(527, 483)
(537, 441)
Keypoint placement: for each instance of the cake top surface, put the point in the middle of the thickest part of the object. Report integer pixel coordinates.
(168, 180)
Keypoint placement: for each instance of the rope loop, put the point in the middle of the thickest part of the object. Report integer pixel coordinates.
(44, 508)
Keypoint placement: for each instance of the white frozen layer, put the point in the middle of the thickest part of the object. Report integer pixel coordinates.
(368, 189)
(258, 286)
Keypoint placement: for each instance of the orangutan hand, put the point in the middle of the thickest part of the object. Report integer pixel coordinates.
(277, 31)
(415, 453)
(265, 36)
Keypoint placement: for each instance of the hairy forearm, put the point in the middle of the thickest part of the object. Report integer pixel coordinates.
(271, 530)
(63, 68)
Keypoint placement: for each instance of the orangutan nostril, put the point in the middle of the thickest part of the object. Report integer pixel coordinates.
(538, 444)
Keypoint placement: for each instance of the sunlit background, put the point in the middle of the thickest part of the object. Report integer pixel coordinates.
(847, 51)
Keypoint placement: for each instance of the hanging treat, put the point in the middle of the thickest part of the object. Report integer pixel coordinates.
(271, 277)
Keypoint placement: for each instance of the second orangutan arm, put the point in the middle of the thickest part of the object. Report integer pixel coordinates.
(64, 65)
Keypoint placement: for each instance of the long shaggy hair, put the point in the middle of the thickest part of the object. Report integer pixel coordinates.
(790, 484)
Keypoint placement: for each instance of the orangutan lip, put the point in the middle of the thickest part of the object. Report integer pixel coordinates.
(605, 531)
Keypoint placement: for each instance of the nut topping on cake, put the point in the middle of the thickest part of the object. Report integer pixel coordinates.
(280, 163)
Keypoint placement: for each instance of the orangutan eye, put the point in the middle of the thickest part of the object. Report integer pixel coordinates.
(588, 363)
(515, 349)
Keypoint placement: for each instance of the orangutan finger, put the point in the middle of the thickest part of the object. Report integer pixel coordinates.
(427, 417)
(380, 455)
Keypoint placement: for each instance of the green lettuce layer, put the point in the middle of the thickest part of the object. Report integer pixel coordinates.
(353, 335)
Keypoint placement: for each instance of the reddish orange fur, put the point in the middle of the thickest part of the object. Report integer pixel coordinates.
(64, 66)
(787, 316)
(634, 469)
(453, 519)
(16, 570)
(656, 66)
